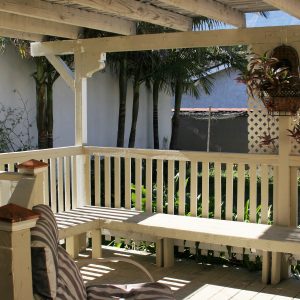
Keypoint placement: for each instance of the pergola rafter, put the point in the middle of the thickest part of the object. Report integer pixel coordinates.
(42, 10)
(292, 7)
(36, 26)
(210, 9)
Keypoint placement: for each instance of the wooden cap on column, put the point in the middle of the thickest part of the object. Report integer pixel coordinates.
(32, 166)
(14, 217)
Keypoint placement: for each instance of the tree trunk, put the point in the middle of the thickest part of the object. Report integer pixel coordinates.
(175, 118)
(41, 102)
(155, 114)
(135, 112)
(123, 78)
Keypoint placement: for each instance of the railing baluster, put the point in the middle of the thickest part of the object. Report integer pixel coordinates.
(97, 180)
(160, 186)
(218, 191)
(11, 167)
(149, 185)
(107, 172)
(194, 190)
(171, 187)
(253, 192)
(264, 193)
(127, 182)
(205, 189)
(229, 191)
(74, 183)
(46, 184)
(67, 182)
(182, 189)
(53, 184)
(241, 192)
(88, 179)
(117, 179)
(60, 187)
(138, 184)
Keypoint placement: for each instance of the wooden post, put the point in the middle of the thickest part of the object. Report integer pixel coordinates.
(86, 64)
(283, 204)
(31, 185)
(15, 254)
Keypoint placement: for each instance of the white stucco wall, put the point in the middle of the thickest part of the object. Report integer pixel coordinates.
(226, 93)
(16, 81)
(103, 105)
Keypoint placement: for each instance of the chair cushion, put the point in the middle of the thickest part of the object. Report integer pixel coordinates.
(140, 291)
(44, 260)
(70, 282)
(47, 214)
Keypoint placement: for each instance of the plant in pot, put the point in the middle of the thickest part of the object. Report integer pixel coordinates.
(271, 81)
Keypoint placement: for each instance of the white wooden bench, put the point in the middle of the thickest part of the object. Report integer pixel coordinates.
(271, 239)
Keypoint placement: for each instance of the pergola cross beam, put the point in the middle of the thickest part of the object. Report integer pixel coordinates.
(224, 37)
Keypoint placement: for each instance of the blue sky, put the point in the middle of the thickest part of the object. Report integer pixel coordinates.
(275, 18)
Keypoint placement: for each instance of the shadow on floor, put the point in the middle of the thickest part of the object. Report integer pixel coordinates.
(187, 279)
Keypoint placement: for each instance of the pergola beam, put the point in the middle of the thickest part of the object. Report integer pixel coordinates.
(21, 35)
(135, 10)
(210, 9)
(224, 37)
(67, 15)
(292, 7)
(35, 26)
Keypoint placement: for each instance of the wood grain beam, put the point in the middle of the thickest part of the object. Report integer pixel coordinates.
(35, 26)
(292, 7)
(67, 15)
(224, 37)
(211, 9)
(21, 35)
(135, 10)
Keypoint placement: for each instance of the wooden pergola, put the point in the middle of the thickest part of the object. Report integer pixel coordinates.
(35, 20)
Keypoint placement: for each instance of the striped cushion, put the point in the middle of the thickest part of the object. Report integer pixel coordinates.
(141, 291)
(47, 214)
(44, 259)
(70, 282)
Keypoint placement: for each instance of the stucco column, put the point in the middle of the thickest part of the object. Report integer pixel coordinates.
(15, 254)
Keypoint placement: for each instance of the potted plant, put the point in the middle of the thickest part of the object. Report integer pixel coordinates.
(271, 81)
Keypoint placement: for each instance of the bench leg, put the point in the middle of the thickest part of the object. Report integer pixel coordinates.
(266, 267)
(72, 246)
(159, 253)
(96, 243)
(168, 249)
(276, 267)
(75, 244)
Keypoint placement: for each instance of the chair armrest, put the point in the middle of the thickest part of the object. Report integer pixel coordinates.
(130, 261)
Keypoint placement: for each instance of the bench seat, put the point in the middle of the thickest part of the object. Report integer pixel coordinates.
(269, 238)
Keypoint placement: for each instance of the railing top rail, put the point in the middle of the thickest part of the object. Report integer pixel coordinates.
(183, 155)
(40, 154)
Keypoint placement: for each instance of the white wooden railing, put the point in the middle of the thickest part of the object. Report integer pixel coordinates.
(220, 185)
(155, 170)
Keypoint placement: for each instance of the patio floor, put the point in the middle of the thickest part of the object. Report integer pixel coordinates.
(188, 279)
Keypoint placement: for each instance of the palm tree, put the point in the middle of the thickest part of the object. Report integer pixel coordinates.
(189, 68)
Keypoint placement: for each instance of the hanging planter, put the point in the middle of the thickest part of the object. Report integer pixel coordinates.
(274, 81)
(282, 102)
